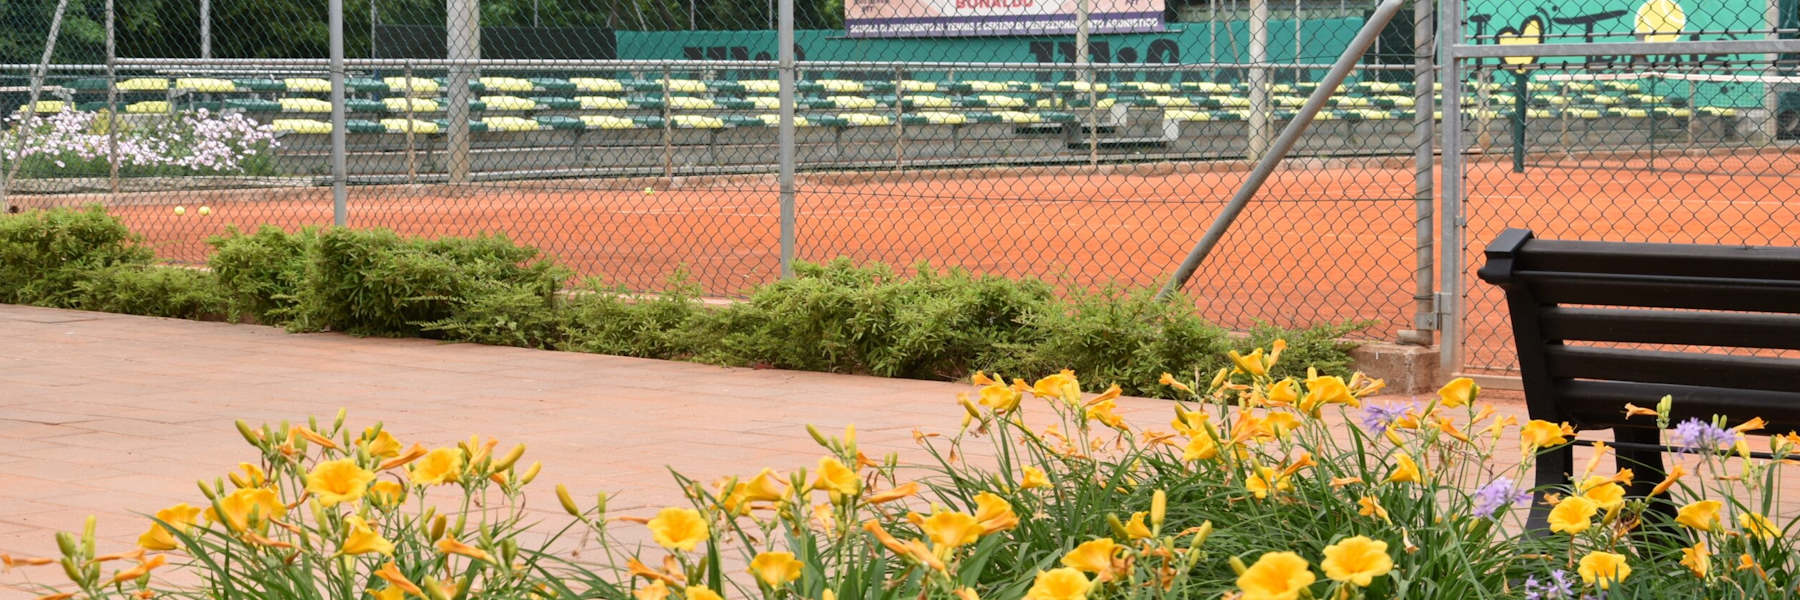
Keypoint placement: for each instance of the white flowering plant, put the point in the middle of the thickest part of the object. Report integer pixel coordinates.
(198, 142)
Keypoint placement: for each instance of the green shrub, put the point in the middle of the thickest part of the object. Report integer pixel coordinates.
(1122, 337)
(845, 318)
(374, 282)
(505, 314)
(608, 320)
(261, 273)
(153, 291)
(45, 254)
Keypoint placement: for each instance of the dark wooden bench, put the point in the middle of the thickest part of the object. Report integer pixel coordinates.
(1704, 305)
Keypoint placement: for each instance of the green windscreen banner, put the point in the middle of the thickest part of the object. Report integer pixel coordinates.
(1589, 21)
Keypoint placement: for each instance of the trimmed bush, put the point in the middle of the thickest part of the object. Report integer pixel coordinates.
(154, 291)
(261, 273)
(45, 254)
(374, 282)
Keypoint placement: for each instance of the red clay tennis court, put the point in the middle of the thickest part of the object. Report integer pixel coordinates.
(1325, 240)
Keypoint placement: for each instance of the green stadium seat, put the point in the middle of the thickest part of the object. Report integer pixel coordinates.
(87, 84)
(259, 85)
(364, 105)
(417, 126)
(556, 102)
(253, 105)
(474, 126)
(552, 84)
(303, 84)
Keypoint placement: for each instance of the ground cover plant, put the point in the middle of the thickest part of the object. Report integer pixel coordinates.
(838, 316)
(1258, 488)
(73, 143)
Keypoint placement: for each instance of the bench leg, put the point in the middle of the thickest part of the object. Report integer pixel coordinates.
(1553, 468)
(1646, 464)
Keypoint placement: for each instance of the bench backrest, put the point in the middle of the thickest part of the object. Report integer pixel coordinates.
(1736, 297)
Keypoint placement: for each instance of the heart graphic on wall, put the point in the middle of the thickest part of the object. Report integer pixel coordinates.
(1659, 21)
(1527, 33)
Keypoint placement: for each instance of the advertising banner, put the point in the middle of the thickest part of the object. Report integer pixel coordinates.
(961, 18)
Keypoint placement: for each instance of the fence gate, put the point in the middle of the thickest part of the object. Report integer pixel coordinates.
(1616, 120)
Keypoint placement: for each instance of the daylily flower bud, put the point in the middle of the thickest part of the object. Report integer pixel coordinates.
(816, 436)
(65, 542)
(206, 490)
(1117, 526)
(87, 535)
(75, 576)
(338, 423)
(531, 473)
(250, 435)
(568, 502)
(1237, 565)
(1200, 536)
(437, 527)
(512, 456)
(1159, 507)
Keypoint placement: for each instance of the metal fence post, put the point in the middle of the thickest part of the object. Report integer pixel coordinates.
(1450, 219)
(1424, 283)
(340, 209)
(464, 34)
(785, 79)
(1260, 109)
(112, 103)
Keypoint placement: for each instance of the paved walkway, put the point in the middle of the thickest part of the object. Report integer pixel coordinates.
(118, 416)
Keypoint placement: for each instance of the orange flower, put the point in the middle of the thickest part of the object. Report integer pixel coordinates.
(391, 573)
(142, 569)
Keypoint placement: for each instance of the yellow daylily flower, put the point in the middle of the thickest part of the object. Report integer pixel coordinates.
(1405, 471)
(143, 568)
(994, 513)
(380, 444)
(657, 590)
(1169, 380)
(1000, 398)
(160, 537)
(449, 545)
(1537, 435)
(1603, 492)
(678, 529)
(700, 592)
(386, 494)
(1573, 515)
(1059, 584)
(1603, 569)
(248, 508)
(1284, 393)
(1266, 481)
(416, 452)
(1321, 391)
(1702, 515)
(1251, 363)
(836, 479)
(1103, 412)
(1697, 559)
(1033, 478)
(1757, 526)
(1370, 506)
(1357, 561)
(1093, 556)
(775, 569)
(1061, 386)
(1135, 528)
(391, 573)
(1668, 481)
(912, 549)
(440, 466)
(388, 593)
(951, 529)
(335, 481)
(1459, 392)
(904, 490)
(360, 538)
(1276, 576)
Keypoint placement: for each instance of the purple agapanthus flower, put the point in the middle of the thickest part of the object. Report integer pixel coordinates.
(1559, 587)
(1376, 418)
(1695, 434)
(1497, 494)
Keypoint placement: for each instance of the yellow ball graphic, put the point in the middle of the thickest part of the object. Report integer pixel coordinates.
(181, 210)
(205, 211)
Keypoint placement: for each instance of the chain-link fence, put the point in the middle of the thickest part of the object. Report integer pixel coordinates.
(1681, 130)
(639, 140)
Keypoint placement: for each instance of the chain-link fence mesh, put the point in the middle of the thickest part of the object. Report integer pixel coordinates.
(637, 140)
(1671, 145)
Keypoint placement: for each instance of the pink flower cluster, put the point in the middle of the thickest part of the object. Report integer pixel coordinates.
(197, 140)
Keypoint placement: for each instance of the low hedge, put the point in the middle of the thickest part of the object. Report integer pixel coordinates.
(837, 317)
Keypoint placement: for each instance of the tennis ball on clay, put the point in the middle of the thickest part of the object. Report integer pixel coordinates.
(180, 210)
(649, 190)
(205, 210)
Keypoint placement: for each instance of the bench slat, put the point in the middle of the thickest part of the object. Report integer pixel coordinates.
(1683, 368)
(1601, 404)
(1723, 329)
(1679, 260)
(1709, 293)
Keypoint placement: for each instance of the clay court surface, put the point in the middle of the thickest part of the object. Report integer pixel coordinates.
(1325, 240)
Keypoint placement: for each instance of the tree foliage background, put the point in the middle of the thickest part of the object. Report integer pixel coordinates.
(297, 28)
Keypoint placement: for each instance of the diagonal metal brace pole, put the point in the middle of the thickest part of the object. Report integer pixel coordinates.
(1283, 143)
